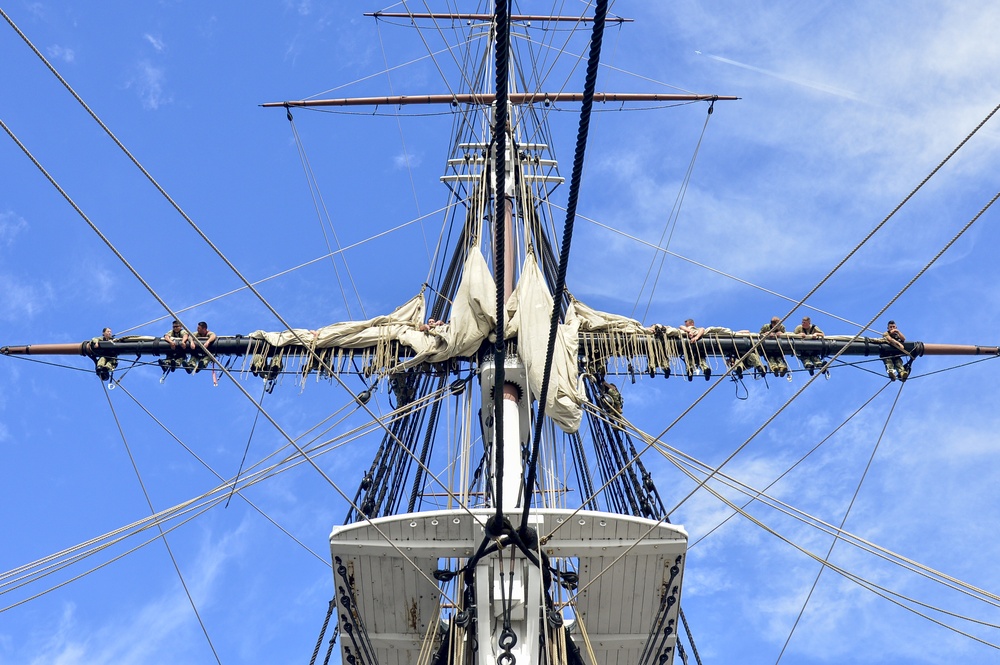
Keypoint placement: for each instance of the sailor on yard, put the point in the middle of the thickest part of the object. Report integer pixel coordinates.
(893, 353)
(752, 361)
(199, 360)
(809, 331)
(176, 336)
(693, 355)
(105, 364)
(775, 359)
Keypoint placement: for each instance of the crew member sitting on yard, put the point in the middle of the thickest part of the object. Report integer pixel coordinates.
(106, 364)
(694, 333)
(893, 353)
(775, 359)
(808, 331)
(752, 361)
(176, 336)
(206, 337)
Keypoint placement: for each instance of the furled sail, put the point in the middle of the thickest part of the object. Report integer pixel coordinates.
(529, 310)
(351, 334)
(470, 323)
(592, 320)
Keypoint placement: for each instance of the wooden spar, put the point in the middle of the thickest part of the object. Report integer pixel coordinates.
(514, 18)
(959, 350)
(77, 349)
(709, 346)
(486, 98)
(153, 346)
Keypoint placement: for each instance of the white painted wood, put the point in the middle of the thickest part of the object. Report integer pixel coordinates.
(623, 564)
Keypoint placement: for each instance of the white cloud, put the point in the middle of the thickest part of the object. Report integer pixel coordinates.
(148, 84)
(65, 54)
(10, 226)
(405, 161)
(22, 299)
(155, 42)
(165, 622)
(303, 7)
(101, 283)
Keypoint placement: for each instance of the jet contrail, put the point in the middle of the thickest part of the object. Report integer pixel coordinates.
(807, 84)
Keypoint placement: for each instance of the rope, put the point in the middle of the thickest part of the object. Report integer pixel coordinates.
(672, 219)
(322, 560)
(147, 523)
(687, 631)
(847, 514)
(289, 270)
(208, 353)
(880, 591)
(402, 141)
(678, 459)
(962, 587)
(195, 227)
(810, 381)
(600, 12)
(720, 272)
(797, 462)
(319, 204)
(322, 631)
(163, 536)
(45, 362)
(136, 527)
(247, 448)
(202, 510)
(502, 27)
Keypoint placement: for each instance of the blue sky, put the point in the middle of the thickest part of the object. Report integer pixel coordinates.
(845, 107)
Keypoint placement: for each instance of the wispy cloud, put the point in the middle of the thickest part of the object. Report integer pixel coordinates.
(164, 622)
(155, 42)
(63, 53)
(302, 7)
(149, 83)
(11, 225)
(22, 300)
(405, 160)
(100, 283)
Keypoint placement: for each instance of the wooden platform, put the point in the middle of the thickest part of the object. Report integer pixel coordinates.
(628, 568)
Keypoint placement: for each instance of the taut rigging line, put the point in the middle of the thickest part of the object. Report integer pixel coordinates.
(159, 526)
(919, 274)
(320, 362)
(219, 253)
(600, 12)
(847, 513)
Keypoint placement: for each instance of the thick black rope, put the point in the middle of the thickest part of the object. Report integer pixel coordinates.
(332, 643)
(600, 13)
(687, 631)
(500, 149)
(322, 631)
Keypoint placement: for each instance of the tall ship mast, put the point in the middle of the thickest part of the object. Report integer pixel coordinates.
(499, 504)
